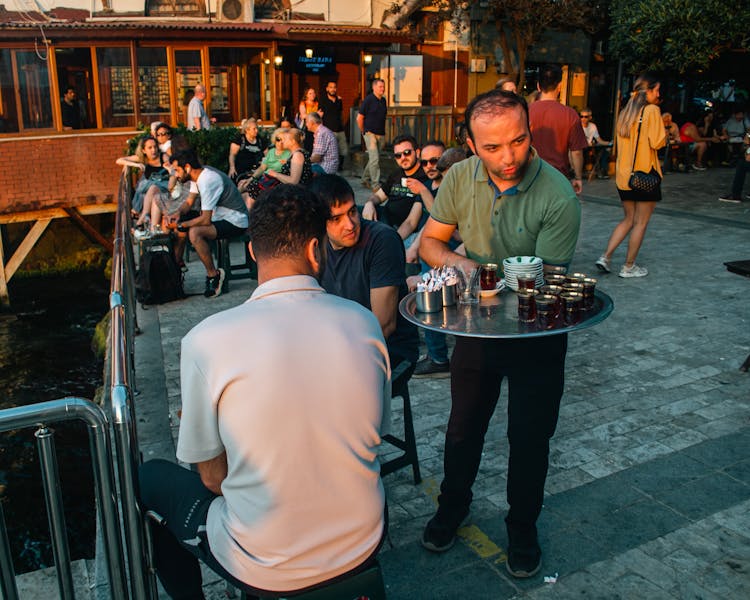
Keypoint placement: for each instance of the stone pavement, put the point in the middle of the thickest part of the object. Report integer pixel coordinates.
(648, 491)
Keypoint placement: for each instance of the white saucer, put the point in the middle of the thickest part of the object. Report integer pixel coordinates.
(489, 293)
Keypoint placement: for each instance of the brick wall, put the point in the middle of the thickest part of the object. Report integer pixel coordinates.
(64, 170)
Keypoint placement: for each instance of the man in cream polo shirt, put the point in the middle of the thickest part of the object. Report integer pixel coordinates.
(282, 404)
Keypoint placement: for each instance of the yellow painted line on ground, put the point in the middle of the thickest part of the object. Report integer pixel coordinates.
(471, 535)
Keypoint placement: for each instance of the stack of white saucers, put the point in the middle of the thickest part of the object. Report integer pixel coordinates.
(513, 266)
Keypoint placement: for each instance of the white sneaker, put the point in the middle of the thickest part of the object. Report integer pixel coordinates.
(634, 271)
(603, 264)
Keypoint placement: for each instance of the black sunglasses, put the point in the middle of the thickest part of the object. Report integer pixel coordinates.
(278, 139)
(585, 116)
(161, 133)
(398, 155)
(432, 161)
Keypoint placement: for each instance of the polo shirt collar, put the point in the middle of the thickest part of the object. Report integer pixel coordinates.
(532, 172)
(291, 283)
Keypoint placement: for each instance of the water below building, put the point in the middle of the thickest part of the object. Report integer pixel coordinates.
(46, 354)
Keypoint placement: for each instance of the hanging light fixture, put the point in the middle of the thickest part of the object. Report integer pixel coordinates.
(278, 60)
(309, 52)
(367, 58)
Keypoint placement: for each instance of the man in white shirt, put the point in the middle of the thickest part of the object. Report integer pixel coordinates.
(282, 404)
(598, 146)
(223, 212)
(197, 117)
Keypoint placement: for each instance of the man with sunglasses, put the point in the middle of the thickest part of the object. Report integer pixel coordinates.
(598, 146)
(399, 203)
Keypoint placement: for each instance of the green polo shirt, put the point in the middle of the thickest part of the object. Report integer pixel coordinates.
(540, 216)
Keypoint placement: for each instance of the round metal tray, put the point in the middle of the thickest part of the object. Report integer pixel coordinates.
(497, 317)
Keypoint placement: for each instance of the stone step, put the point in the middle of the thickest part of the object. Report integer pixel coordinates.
(43, 583)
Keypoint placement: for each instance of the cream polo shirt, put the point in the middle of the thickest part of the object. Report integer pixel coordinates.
(292, 384)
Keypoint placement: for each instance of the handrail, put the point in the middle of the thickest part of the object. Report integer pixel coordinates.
(41, 415)
(123, 327)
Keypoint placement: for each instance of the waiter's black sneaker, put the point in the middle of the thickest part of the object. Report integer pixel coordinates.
(440, 533)
(213, 284)
(523, 565)
(427, 367)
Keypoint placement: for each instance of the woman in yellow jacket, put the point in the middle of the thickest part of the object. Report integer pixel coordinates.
(641, 111)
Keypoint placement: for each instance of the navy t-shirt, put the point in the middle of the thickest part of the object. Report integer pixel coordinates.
(377, 260)
(374, 111)
(400, 198)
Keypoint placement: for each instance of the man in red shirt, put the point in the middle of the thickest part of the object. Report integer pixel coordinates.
(556, 129)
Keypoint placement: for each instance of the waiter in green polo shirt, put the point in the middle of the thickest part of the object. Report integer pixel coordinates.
(505, 201)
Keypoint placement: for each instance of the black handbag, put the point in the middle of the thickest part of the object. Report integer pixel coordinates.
(640, 180)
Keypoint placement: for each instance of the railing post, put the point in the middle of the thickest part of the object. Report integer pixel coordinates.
(55, 513)
(8, 588)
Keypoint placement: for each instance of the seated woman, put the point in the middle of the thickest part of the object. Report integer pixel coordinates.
(274, 159)
(295, 170)
(245, 151)
(149, 160)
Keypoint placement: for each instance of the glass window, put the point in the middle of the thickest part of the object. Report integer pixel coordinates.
(116, 87)
(189, 73)
(153, 84)
(8, 111)
(34, 91)
(76, 84)
(235, 83)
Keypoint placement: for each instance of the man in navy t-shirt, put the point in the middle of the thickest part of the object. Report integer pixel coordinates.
(371, 122)
(366, 263)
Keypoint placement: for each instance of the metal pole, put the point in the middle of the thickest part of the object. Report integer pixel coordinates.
(8, 588)
(55, 513)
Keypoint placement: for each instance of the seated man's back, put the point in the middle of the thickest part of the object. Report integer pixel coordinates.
(299, 414)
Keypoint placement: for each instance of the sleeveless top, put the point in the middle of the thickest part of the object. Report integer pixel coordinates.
(306, 167)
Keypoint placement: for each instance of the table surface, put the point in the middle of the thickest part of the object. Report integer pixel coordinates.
(496, 317)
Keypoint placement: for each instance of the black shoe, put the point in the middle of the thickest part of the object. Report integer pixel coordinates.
(213, 284)
(730, 198)
(524, 553)
(440, 533)
(429, 368)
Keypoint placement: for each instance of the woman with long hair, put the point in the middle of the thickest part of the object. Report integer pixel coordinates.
(296, 169)
(307, 105)
(150, 161)
(640, 133)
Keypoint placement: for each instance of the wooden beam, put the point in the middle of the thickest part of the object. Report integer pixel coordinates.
(89, 231)
(27, 244)
(4, 297)
(55, 213)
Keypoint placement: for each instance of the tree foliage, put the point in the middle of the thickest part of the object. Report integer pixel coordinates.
(684, 35)
(520, 23)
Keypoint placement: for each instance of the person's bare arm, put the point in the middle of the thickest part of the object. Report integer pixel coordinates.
(233, 150)
(434, 250)
(213, 472)
(384, 303)
(376, 198)
(203, 219)
(295, 170)
(417, 187)
(576, 160)
(196, 122)
(411, 222)
(130, 161)
(361, 122)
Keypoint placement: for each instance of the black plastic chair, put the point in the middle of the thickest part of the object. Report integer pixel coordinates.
(400, 388)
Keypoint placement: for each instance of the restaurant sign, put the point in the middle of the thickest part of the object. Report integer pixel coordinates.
(320, 63)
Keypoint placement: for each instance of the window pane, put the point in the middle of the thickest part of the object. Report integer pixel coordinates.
(188, 74)
(33, 85)
(235, 83)
(74, 71)
(116, 87)
(8, 111)
(153, 84)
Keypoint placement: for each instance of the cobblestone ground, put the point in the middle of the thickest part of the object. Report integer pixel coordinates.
(648, 491)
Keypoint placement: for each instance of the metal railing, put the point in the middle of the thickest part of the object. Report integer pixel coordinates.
(123, 327)
(41, 415)
(425, 123)
(121, 361)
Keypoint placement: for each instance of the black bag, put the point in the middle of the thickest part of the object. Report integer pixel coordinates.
(640, 180)
(158, 279)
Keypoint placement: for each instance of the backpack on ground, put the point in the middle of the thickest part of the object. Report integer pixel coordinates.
(159, 279)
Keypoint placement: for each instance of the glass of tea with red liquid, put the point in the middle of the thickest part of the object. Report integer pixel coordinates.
(488, 276)
(526, 306)
(546, 310)
(526, 281)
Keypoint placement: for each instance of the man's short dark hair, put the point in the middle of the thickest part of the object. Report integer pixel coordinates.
(70, 88)
(549, 77)
(285, 219)
(186, 156)
(332, 189)
(377, 80)
(493, 103)
(400, 139)
(436, 143)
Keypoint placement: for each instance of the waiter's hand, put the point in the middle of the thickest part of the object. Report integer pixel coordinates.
(577, 184)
